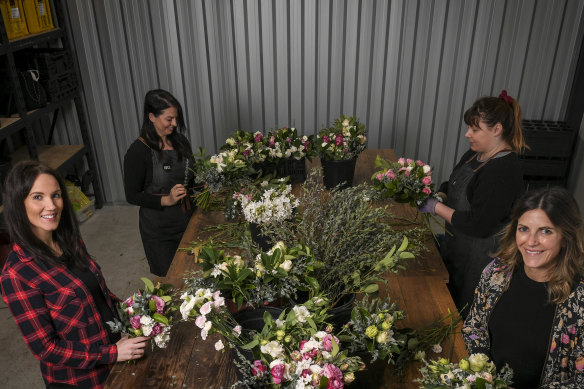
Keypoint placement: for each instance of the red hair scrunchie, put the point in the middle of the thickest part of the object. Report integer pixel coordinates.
(506, 97)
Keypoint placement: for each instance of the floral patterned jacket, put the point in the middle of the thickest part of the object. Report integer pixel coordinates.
(565, 359)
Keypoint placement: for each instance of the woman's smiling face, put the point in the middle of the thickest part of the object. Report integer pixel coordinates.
(44, 205)
(539, 242)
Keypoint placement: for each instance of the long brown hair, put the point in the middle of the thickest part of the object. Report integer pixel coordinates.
(504, 110)
(562, 210)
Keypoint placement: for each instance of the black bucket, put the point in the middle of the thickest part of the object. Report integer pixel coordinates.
(338, 172)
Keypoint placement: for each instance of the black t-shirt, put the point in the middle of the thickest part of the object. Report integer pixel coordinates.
(105, 311)
(520, 328)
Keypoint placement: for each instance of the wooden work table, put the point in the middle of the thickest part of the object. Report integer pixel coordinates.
(189, 362)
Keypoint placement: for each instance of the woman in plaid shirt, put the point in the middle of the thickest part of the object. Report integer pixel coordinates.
(54, 289)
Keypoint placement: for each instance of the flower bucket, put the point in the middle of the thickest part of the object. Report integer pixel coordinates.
(338, 172)
(262, 241)
(272, 167)
(372, 376)
(295, 169)
(341, 312)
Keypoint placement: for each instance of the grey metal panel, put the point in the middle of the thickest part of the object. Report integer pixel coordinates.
(407, 69)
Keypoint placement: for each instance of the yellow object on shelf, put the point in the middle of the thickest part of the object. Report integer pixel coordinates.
(82, 205)
(38, 15)
(14, 21)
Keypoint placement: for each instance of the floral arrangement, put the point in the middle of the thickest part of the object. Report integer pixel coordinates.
(405, 181)
(147, 312)
(344, 140)
(279, 273)
(475, 371)
(350, 235)
(269, 202)
(372, 329)
(290, 144)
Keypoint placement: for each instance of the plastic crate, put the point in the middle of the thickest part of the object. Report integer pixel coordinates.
(532, 183)
(57, 74)
(14, 20)
(38, 15)
(86, 211)
(548, 139)
(544, 167)
(295, 169)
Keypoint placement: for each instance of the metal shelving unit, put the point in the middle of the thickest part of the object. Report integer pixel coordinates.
(59, 157)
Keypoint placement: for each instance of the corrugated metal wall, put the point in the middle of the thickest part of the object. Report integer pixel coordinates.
(407, 69)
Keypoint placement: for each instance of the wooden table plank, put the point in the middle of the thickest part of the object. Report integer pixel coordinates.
(189, 362)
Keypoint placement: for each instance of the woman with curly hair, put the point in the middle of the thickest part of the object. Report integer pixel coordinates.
(528, 309)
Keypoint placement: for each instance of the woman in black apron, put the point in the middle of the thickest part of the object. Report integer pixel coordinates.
(480, 193)
(157, 176)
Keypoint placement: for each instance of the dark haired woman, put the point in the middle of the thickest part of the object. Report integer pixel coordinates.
(157, 176)
(481, 192)
(528, 308)
(54, 289)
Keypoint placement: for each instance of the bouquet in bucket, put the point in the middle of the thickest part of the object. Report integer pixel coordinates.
(405, 181)
(291, 145)
(473, 372)
(343, 141)
(148, 312)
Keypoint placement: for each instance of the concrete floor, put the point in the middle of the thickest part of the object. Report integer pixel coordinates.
(112, 237)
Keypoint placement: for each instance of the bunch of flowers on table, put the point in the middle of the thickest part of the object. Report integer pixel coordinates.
(290, 144)
(372, 329)
(215, 172)
(148, 312)
(405, 181)
(473, 372)
(276, 275)
(268, 201)
(344, 140)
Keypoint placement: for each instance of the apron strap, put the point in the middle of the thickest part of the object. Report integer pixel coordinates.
(485, 162)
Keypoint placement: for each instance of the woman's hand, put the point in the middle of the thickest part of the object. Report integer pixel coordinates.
(176, 193)
(131, 348)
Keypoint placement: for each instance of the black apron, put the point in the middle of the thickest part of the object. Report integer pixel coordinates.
(465, 256)
(162, 229)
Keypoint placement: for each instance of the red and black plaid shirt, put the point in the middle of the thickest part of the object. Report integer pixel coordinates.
(59, 320)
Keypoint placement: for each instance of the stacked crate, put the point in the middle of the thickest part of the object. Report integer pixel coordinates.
(547, 161)
(57, 72)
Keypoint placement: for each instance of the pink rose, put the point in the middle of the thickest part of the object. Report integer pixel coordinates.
(246, 153)
(135, 322)
(401, 161)
(288, 139)
(409, 161)
(258, 368)
(390, 174)
(419, 163)
(310, 354)
(335, 376)
(407, 173)
(272, 141)
(278, 373)
(379, 177)
(325, 138)
(346, 151)
(306, 145)
(258, 138)
(427, 180)
(157, 329)
(339, 140)
(427, 191)
(327, 342)
(572, 330)
(159, 303)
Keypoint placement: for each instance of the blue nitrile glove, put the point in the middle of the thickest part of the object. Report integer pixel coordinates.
(429, 206)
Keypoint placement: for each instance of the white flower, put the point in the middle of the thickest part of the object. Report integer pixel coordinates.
(346, 123)
(206, 308)
(326, 355)
(310, 345)
(427, 169)
(219, 345)
(301, 313)
(147, 324)
(273, 348)
(286, 265)
(323, 144)
(420, 355)
(264, 184)
(320, 334)
(437, 348)
(216, 270)
(187, 305)
(230, 141)
(219, 302)
(162, 339)
(200, 321)
(279, 323)
(237, 330)
(237, 261)
(315, 369)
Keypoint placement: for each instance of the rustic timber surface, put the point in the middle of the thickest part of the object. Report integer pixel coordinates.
(189, 362)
